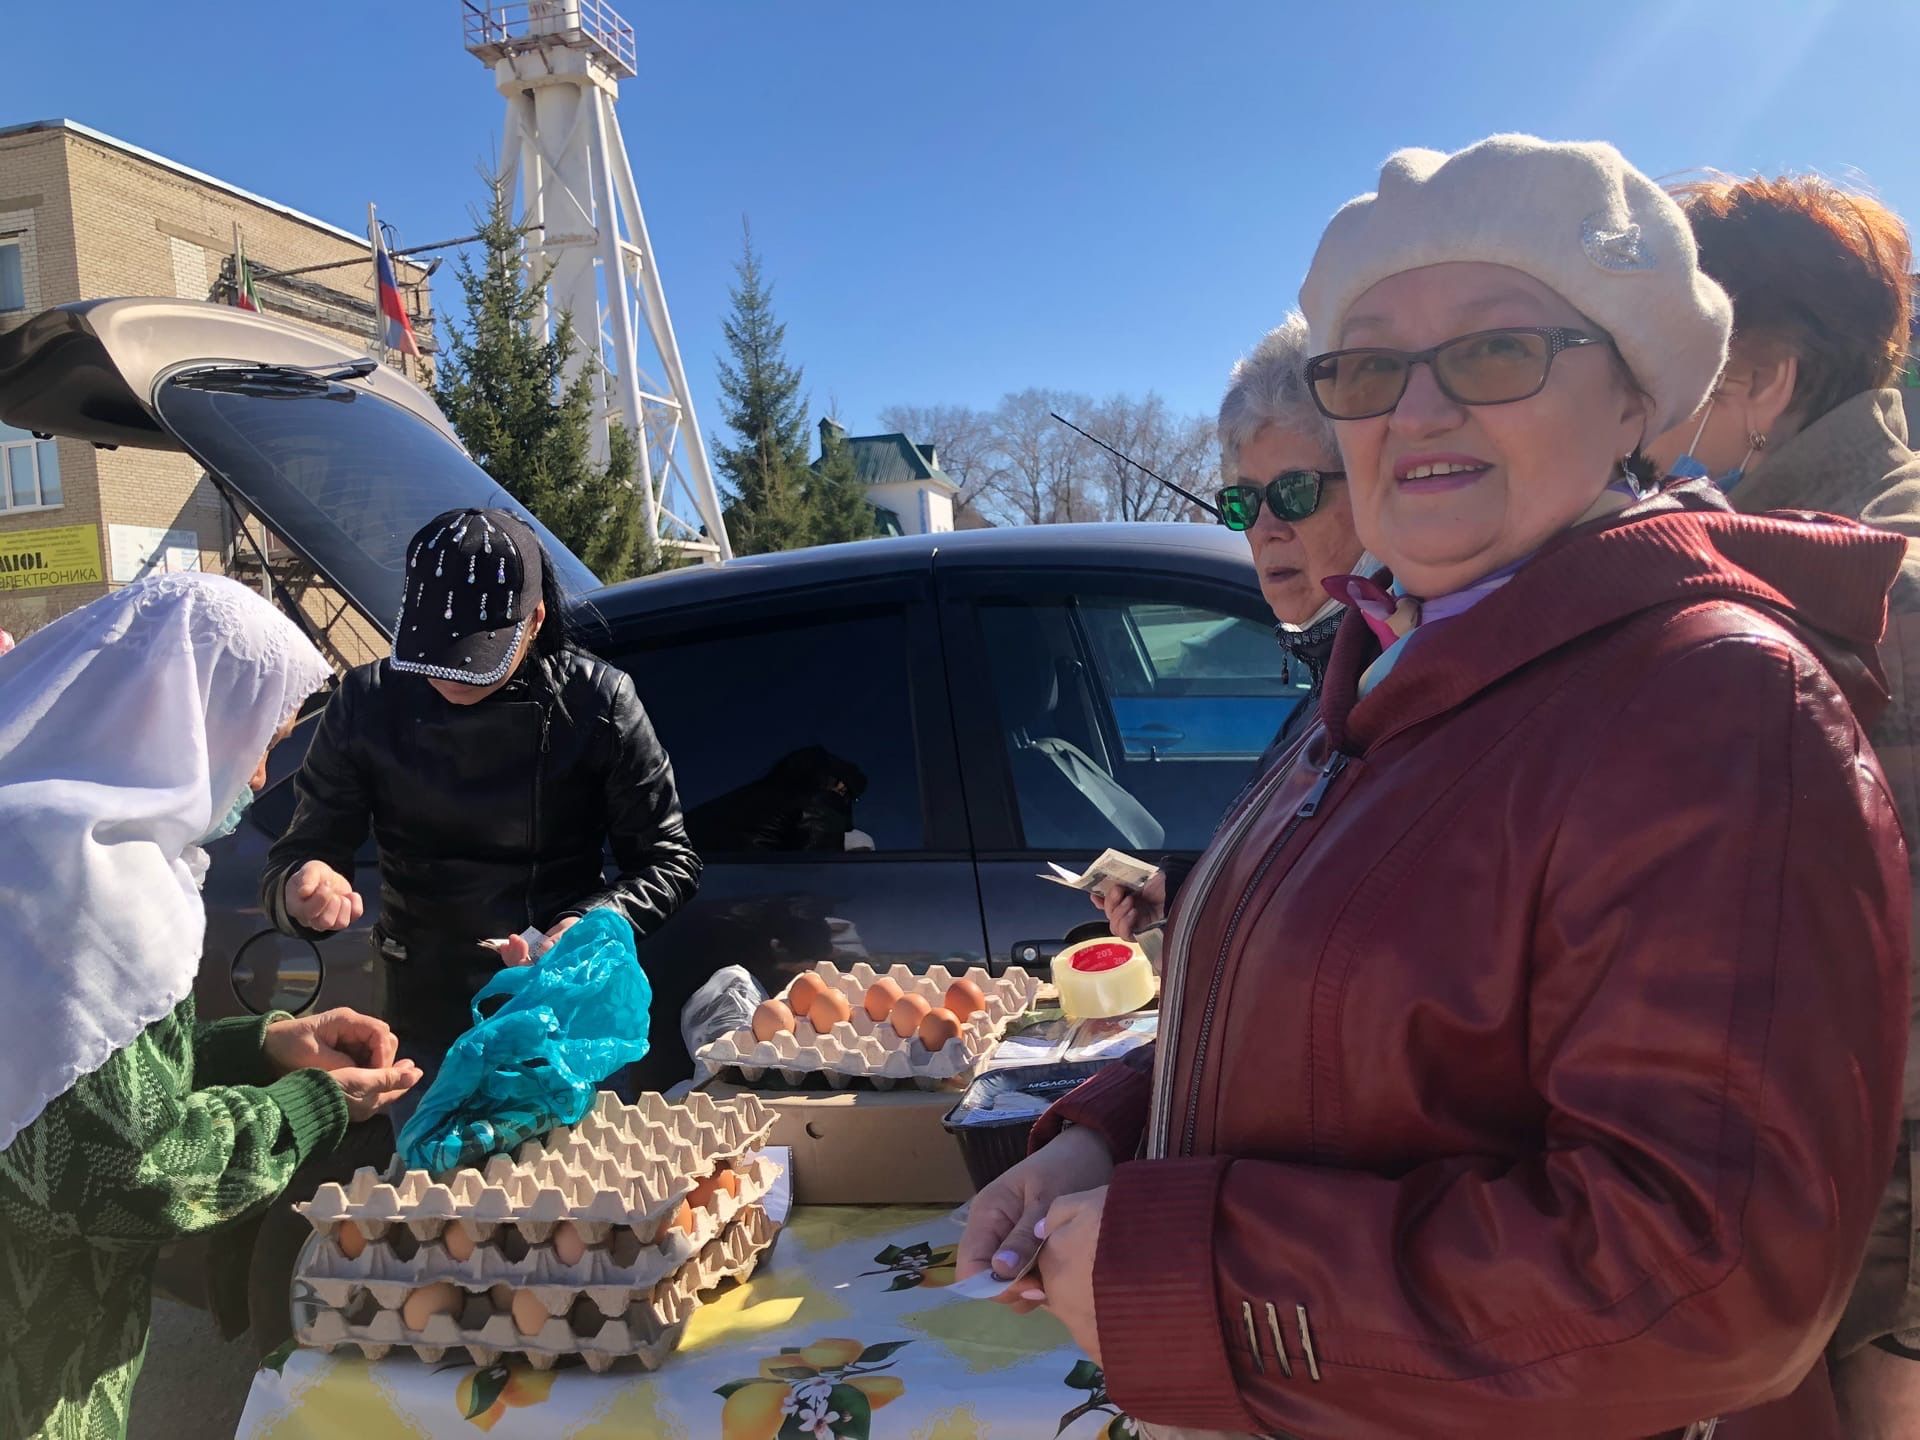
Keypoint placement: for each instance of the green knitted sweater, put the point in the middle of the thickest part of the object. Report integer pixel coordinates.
(185, 1130)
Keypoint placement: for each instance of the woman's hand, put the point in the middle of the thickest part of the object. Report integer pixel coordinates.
(1128, 912)
(369, 1090)
(339, 1039)
(357, 1051)
(1000, 1225)
(1072, 1232)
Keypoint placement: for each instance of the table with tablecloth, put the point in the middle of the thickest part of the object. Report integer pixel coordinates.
(843, 1333)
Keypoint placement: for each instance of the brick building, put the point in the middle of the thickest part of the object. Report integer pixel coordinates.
(86, 216)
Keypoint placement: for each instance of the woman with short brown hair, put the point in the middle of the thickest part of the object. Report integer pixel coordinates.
(1805, 417)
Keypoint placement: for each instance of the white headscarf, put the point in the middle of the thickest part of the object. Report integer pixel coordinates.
(127, 731)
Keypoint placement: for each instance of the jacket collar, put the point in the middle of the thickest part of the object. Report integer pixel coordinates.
(1838, 464)
(1311, 646)
(1830, 576)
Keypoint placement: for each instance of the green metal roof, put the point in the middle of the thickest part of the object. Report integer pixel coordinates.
(892, 460)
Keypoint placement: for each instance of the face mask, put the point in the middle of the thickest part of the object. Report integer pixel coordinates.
(1688, 466)
(235, 814)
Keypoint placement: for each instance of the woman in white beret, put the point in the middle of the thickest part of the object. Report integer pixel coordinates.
(1531, 1043)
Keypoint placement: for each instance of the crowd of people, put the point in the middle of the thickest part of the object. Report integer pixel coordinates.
(1534, 1040)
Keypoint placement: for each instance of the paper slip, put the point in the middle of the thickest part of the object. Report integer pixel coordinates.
(778, 1201)
(989, 1286)
(1112, 868)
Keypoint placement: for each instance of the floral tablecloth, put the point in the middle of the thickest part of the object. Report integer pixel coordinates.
(842, 1334)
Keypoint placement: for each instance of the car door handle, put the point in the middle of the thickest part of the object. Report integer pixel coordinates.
(1032, 954)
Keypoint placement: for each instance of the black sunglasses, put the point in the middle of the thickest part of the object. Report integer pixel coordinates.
(1488, 367)
(1292, 495)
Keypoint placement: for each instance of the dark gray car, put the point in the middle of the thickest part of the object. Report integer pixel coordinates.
(990, 701)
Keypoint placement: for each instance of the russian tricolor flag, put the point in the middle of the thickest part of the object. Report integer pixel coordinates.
(395, 331)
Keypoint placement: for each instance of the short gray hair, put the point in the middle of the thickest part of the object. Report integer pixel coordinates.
(1269, 387)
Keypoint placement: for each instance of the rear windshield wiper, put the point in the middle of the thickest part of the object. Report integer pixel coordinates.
(280, 379)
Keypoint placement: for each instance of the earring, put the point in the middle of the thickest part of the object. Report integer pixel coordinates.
(1627, 477)
(1756, 443)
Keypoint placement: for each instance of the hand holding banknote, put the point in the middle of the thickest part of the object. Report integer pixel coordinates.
(1129, 892)
(1131, 911)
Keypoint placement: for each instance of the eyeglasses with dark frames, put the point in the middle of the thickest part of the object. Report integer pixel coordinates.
(1486, 367)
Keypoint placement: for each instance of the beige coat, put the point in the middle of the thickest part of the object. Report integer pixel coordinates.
(1855, 461)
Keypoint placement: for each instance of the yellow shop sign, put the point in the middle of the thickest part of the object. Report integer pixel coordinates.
(41, 559)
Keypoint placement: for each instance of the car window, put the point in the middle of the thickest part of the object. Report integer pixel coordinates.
(1130, 723)
(788, 738)
(1187, 682)
(345, 474)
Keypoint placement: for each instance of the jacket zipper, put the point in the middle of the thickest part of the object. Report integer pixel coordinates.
(1180, 937)
(1307, 809)
(533, 834)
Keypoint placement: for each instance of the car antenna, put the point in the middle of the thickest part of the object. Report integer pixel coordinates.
(1212, 510)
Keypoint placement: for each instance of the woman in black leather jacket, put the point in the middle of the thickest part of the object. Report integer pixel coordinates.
(496, 767)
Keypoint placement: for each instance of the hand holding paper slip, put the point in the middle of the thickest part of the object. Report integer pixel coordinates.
(1112, 868)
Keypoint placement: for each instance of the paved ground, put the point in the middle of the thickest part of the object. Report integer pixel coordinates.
(194, 1384)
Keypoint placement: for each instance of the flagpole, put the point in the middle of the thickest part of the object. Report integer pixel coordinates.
(260, 545)
(379, 318)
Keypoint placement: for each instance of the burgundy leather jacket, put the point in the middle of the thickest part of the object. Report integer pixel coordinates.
(1532, 1038)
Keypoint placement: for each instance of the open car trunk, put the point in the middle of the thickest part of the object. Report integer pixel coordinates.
(341, 458)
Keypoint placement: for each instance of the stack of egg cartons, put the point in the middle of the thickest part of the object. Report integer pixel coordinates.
(595, 1240)
(852, 1045)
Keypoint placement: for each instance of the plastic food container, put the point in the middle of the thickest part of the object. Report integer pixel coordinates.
(995, 1117)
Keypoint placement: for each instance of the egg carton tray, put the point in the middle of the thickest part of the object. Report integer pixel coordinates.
(613, 1258)
(862, 1050)
(602, 1327)
(621, 1166)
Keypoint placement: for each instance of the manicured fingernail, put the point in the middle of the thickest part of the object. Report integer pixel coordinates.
(1006, 1260)
(1036, 1296)
(1040, 1228)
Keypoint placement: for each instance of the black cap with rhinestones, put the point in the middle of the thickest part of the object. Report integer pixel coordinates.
(473, 581)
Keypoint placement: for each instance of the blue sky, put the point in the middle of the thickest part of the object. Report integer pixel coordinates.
(958, 200)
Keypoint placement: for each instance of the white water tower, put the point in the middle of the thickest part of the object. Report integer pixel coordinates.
(559, 64)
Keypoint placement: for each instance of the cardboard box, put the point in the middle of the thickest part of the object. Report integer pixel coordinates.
(866, 1147)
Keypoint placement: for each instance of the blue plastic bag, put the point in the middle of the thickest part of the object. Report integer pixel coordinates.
(568, 1021)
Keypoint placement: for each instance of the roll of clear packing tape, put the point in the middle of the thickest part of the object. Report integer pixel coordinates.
(1102, 977)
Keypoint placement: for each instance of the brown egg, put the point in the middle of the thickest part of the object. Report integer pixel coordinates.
(938, 1028)
(502, 1297)
(529, 1315)
(569, 1246)
(804, 991)
(684, 1219)
(908, 1014)
(882, 996)
(458, 1241)
(351, 1242)
(965, 998)
(727, 1181)
(428, 1301)
(771, 1018)
(702, 1193)
(830, 1009)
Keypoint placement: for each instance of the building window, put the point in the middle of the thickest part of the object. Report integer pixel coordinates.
(13, 278)
(29, 471)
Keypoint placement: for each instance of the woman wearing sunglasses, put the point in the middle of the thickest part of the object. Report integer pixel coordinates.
(1287, 494)
(1531, 1044)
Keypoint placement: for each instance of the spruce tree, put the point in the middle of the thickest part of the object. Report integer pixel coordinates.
(766, 466)
(836, 496)
(503, 386)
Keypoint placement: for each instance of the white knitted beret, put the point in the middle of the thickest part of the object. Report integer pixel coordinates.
(1576, 217)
